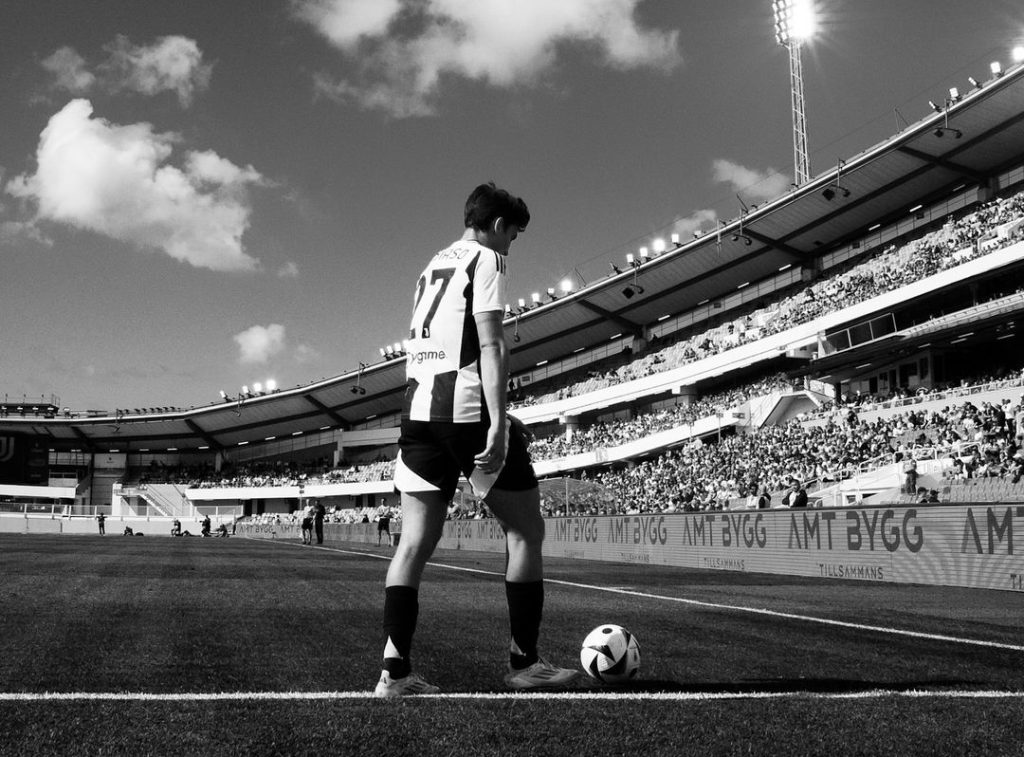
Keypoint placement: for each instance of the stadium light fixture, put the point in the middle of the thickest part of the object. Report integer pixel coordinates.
(630, 259)
(675, 240)
(271, 385)
(551, 294)
(566, 286)
(996, 68)
(974, 82)
(795, 24)
(535, 298)
(657, 246)
(257, 388)
(1018, 54)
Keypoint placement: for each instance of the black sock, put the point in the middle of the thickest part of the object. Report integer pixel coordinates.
(401, 608)
(525, 608)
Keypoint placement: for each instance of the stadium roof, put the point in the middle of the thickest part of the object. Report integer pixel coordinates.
(965, 143)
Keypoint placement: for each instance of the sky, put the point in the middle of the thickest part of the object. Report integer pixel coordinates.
(197, 195)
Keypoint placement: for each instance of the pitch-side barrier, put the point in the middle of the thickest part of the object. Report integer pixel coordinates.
(977, 546)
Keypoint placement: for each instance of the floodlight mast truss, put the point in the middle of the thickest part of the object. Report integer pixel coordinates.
(784, 10)
(801, 160)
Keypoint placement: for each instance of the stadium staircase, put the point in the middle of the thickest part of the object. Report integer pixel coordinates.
(164, 499)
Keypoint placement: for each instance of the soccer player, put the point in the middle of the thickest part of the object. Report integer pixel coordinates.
(454, 421)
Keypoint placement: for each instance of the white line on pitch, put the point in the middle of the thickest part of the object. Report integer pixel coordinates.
(663, 696)
(734, 608)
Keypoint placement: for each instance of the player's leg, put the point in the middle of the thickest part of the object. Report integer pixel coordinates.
(519, 515)
(423, 517)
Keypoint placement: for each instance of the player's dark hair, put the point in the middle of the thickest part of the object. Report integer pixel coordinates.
(487, 202)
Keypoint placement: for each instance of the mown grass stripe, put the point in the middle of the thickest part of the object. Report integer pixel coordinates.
(733, 608)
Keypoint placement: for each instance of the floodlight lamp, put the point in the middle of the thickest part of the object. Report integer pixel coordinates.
(551, 294)
(675, 240)
(974, 82)
(996, 68)
(522, 304)
(1018, 54)
(794, 21)
(223, 395)
(398, 348)
(658, 246)
(645, 254)
(933, 106)
(257, 387)
(566, 285)
(630, 259)
(535, 298)
(954, 94)
(271, 385)
(245, 390)
(383, 352)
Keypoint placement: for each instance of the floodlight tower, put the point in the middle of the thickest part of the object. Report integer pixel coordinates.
(794, 24)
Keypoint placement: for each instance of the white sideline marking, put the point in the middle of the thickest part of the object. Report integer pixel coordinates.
(720, 606)
(658, 696)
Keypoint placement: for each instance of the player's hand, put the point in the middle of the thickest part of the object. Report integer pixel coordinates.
(492, 457)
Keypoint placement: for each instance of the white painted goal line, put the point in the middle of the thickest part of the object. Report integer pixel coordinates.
(675, 696)
(719, 606)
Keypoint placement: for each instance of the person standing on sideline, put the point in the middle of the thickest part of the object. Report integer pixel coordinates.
(454, 421)
(318, 521)
(384, 526)
(101, 519)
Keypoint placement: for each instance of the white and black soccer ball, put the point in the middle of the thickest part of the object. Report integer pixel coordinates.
(611, 654)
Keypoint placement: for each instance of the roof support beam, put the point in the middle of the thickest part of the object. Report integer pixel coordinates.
(775, 244)
(631, 326)
(200, 431)
(941, 162)
(326, 410)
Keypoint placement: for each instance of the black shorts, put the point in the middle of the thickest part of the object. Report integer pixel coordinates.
(432, 456)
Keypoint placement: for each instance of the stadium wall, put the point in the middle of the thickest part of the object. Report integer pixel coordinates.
(949, 545)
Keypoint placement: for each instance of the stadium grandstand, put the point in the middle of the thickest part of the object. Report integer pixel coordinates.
(808, 348)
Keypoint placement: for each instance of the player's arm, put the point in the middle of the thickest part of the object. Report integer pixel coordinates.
(494, 382)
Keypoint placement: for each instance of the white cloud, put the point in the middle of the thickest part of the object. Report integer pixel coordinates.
(115, 180)
(257, 344)
(304, 354)
(751, 184)
(69, 68)
(345, 23)
(699, 220)
(403, 48)
(170, 64)
(289, 270)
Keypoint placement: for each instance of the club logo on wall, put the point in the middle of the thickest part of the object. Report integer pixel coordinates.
(6, 449)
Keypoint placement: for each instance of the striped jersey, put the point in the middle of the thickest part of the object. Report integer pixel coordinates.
(443, 363)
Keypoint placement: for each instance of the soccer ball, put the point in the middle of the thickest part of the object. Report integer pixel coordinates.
(610, 654)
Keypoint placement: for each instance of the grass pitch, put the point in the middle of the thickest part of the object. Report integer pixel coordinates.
(140, 645)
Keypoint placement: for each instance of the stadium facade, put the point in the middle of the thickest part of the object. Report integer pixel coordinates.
(738, 291)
